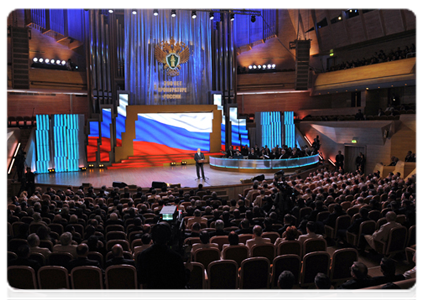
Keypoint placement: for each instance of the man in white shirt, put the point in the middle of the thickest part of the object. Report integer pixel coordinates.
(257, 239)
(311, 233)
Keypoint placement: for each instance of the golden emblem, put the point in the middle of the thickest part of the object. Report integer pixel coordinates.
(172, 55)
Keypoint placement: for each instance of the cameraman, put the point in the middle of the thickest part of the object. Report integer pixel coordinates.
(161, 268)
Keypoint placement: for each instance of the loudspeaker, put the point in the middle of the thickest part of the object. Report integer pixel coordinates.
(158, 184)
(259, 178)
(119, 184)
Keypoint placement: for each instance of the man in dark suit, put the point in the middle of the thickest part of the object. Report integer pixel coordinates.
(199, 165)
(118, 259)
(82, 259)
(230, 152)
(339, 161)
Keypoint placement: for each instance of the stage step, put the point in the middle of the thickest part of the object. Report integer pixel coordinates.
(146, 161)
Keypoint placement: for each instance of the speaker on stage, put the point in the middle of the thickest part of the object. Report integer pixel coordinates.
(158, 184)
(119, 184)
(259, 178)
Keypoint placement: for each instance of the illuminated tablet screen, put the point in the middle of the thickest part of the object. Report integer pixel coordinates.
(172, 133)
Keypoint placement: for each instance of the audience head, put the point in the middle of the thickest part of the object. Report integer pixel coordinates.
(117, 250)
(233, 238)
(257, 230)
(33, 240)
(146, 239)
(311, 226)
(291, 233)
(204, 237)
(286, 280)
(82, 250)
(359, 270)
(391, 216)
(387, 266)
(65, 238)
(322, 281)
(391, 290)
(219, 224)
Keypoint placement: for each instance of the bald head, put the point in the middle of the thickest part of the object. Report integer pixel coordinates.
(391, 216)
(117, 250)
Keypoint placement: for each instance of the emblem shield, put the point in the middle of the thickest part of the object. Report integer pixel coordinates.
(172, 60)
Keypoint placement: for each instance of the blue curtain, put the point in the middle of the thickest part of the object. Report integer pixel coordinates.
(144, 74)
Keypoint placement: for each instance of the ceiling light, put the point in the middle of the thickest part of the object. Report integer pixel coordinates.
(47, 60)
(273, 66)
(35, 59)
(264, 66)
(111, 11)
(232, 17)
(211, 15)
(259, 66)
(254, 67)
(156, 12)
(41, 60)
(134, 12)
(250, 67)
(193, 14)
(173, 13)
(63, 62)
(52, 61)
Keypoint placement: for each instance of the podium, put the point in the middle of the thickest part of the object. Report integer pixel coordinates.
(201, 161)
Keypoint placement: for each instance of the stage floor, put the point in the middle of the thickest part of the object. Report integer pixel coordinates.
(184, 175)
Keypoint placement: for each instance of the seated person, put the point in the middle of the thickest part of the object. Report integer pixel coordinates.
(391, 291)
(286, 282)
(322, 281)
(387, 266)
(360, 278)
(118, 259)
(146, 242)
(414, 272)
(205, 242)
(257, 239)
(311, 233)
(233, 239)
(238, 155)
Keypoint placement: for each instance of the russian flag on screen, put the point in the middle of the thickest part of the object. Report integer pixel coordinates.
(172, 133)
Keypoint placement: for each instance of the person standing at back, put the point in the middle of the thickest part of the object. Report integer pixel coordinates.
(159, 267)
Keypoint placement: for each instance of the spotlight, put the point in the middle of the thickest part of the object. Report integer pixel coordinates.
(273, 66)
(63, 62)
(47, 60)
(259, 66)
(193, 14)
(269, 66)
(134, 12)
(232, 17)
(110, 11)
(173, 13)
(58, 62)
(173, 163)
(52, 61)
(339, 17)
(253, 19)
(264, 66)
(82, 168)
(254, 67)
(101, 166)
(41, 60)
(250, 67)
(183, 163)
(156, 12)
(211, 15)
(35, 59)
(52, 170)
(91, 166)
(76, 67)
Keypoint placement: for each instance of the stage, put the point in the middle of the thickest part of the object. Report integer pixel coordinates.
(184, 175)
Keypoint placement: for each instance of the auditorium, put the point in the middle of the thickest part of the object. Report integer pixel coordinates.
(210, 149)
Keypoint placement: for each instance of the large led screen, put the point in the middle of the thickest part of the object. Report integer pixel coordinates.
(172, 133)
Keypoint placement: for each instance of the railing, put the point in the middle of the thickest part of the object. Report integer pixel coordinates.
(264, 164)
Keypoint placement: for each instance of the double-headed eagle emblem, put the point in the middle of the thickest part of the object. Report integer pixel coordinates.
(172, 55)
